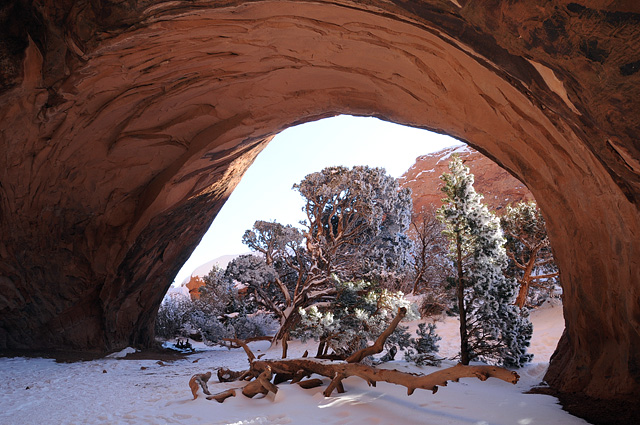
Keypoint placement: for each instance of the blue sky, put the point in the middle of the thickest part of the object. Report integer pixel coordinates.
(265, 190)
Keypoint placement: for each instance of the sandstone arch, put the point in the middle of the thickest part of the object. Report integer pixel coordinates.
(125, 125)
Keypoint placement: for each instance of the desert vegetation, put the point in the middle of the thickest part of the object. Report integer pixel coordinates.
(339, 278)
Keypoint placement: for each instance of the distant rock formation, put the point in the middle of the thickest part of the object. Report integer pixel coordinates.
(496, 184)
(193, 285)
(195, 281)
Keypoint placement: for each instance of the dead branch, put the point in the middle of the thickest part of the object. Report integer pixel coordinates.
(296, 369)
(243, 344)
(228, 375)
(199, 380)
(310, 383)
(220, 397)
(337, 371)
(378, 346)
(262, 384)
(248, 340)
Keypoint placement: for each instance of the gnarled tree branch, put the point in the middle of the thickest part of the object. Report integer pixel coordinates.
(296, 369)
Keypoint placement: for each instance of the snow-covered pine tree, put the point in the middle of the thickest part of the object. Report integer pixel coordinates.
(423, 348)
(491, 327)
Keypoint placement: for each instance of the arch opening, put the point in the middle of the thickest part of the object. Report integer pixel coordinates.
(158, 121)
(265, 191)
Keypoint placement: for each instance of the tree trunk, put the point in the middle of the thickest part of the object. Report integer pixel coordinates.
(285, 345)
(464, 338)
(523, 291)
(286, 326)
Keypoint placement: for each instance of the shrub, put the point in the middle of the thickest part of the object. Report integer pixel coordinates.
(422, 349)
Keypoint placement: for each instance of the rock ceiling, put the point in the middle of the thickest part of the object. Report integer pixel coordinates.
(126, 124)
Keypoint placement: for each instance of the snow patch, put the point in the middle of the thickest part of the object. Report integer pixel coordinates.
(36, 390)
(459, 149)
(425, 171)
(123, 353)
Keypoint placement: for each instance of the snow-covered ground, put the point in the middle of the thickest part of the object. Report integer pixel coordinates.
(122, 391)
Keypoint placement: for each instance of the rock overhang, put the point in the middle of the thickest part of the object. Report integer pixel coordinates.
(132, 122)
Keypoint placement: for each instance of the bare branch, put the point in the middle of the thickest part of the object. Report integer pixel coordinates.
(244, 345)
(220, 397)
(516, 262)
(378, 346)
(544, 276)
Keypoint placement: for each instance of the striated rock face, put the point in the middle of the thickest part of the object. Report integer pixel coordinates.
(498, 187)
(124, 126)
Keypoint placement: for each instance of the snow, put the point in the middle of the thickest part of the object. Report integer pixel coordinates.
(126, 391)
(425, 171)
(123, 353)
(459, 149)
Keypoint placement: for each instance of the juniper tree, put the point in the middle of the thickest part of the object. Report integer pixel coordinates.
(491, 327)
(286, 282)
(218, 296)
(531, 262)
(356, 223)
(431, 265)
(356, 228)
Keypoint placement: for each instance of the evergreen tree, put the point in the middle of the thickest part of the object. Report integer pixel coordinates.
(531, 262)
(491, 327)
(218, 296)
(359, 313)
(422, 350)
(357, 223)
(291, 282)
(356, 228)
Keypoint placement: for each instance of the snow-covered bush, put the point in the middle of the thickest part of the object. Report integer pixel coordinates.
(435, 303)
(173, 314)
(422, 349)
(253, 325)
(358, 315)
(210, 328)
(218, 295)
(217, 314)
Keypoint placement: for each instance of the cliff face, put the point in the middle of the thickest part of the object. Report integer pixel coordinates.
(498, 187)
(124, 126)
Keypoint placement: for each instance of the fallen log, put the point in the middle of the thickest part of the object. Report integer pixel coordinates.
(296, 369)
(262, 384)
(337, 371)
(220, 397)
